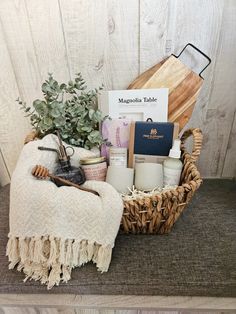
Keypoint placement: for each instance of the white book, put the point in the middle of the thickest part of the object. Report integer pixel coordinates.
(135, 104)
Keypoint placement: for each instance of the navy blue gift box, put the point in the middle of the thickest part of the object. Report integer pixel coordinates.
(151, 139)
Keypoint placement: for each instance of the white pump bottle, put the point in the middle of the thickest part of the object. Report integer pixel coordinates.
(173, 165)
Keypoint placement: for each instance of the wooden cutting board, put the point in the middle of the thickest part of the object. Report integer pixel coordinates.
(184, 86)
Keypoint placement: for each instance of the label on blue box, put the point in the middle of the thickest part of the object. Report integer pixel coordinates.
(153, 138)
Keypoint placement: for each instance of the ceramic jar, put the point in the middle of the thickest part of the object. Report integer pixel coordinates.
(94, 168)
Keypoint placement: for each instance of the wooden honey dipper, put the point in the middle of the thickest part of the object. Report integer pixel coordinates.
(42, 173)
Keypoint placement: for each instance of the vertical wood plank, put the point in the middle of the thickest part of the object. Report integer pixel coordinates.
(106, 311)
(160, 312)
(154, 20)
(195, 22)
(221, 107)
(15, 23)
(51, 310)
(19, 77)
(48, 40)
(127, 312)
(123, 49)
(19, 310)
(34, 37)
(201, 312)
(86, 311)
(86, 34)
(13, 126)
(102, 40)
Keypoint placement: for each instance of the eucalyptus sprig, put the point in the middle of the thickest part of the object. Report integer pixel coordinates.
(69, 108)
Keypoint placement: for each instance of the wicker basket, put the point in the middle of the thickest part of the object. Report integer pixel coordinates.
(157, 214)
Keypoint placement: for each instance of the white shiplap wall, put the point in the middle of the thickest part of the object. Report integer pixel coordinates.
(111, 42)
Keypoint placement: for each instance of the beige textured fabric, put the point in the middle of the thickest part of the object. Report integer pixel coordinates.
(55, 229)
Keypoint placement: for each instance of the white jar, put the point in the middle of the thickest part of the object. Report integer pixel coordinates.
(172, 171)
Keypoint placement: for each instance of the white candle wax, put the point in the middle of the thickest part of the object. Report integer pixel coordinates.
(120, 178)
(148, 176)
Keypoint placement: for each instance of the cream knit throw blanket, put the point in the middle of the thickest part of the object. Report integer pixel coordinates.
(53, 230)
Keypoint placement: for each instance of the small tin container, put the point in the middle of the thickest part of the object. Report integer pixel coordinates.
(94, 168)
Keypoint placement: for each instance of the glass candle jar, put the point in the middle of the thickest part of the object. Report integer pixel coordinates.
(94, 168)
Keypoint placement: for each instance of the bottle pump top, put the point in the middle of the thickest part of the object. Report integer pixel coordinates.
(175, 151)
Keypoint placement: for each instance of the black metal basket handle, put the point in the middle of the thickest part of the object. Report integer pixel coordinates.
(202, 53)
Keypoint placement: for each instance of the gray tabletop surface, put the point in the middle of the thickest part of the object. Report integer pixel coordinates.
(198, 257)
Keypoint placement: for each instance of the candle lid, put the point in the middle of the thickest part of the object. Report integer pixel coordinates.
(92, 160)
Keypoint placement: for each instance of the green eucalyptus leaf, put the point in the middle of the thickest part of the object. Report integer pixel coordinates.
(34, 117)
(55, 113)
(86, 128)
(95, 133)
(64, 136)
(71, 83)
(62, 86)
(84, 114)
(60, 121)
(43, 127)
(72, 141)
(48, 121)
(68, 108)
(90, 138)
(40, 106)
(54, 104)
(44, 87)
(91, 113)
(37, 102)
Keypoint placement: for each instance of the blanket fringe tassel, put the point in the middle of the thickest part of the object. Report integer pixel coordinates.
(50, 259)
